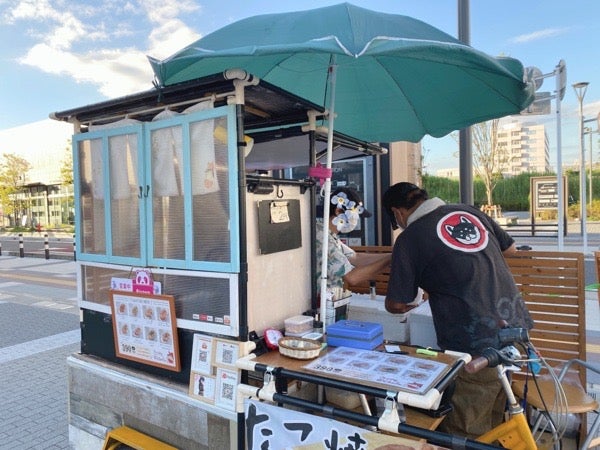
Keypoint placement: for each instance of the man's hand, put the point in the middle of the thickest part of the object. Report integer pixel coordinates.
(397, 308)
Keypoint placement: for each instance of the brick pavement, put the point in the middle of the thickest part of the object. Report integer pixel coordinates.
(34, 344)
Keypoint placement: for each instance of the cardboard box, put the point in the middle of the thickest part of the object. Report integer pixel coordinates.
(395, 326)
(355, 334)
(420, 323)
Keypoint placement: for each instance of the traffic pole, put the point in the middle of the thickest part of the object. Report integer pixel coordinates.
(21, 249)
(46, 246)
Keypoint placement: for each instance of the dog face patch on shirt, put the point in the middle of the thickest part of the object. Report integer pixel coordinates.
(462, 231)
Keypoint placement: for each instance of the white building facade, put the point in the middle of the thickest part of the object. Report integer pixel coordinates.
(525, 148)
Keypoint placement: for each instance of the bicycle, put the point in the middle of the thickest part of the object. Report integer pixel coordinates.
(516, 433)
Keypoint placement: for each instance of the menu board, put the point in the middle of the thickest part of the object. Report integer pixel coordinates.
(145, 329)
(403, 372)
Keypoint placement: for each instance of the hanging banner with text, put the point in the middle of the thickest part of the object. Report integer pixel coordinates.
(270, 426)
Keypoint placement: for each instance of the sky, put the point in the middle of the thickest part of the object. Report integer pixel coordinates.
(61, 54)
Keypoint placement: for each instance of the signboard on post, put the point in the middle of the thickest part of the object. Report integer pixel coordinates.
(540, 106)
(545, 195)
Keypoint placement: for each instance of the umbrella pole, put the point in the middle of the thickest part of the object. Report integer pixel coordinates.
(327, 194)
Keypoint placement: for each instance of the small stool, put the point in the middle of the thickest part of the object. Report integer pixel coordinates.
(134, 439)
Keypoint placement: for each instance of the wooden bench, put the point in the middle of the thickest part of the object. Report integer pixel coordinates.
(553, 287)
(381, 280)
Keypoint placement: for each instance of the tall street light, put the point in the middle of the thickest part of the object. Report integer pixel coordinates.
(580, 89)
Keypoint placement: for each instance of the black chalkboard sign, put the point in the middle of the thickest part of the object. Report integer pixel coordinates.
(279, 225)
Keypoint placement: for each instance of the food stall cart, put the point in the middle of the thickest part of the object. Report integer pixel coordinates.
(190, 243)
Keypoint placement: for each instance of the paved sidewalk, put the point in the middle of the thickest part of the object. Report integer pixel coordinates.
(35, 340)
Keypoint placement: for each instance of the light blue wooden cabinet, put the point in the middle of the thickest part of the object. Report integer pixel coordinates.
(161, 193)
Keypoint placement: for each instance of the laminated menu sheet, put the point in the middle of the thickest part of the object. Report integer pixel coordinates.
(397, 371)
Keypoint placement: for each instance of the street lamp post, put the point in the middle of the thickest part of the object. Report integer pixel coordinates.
(580, 90)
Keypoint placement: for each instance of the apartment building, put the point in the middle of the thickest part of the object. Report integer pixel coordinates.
(525, 148)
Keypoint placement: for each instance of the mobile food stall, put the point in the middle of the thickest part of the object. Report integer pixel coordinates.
(190, 242)
(189, 237)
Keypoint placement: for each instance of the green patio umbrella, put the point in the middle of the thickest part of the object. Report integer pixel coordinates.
(382, 77)
(397, 78)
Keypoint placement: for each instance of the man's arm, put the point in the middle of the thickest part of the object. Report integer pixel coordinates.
(366, 272)
(361, 259)
(510, 250)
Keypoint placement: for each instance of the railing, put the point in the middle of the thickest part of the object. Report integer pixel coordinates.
(532, 229)
(38, 247)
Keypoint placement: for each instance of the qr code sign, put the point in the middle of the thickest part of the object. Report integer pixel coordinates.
(227, 391)
(228, 356)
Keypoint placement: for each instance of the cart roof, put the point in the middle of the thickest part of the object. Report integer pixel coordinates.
(266, 105)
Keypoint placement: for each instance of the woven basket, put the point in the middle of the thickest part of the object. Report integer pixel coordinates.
(299, 348)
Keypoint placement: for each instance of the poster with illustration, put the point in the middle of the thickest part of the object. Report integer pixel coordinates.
(202, 387)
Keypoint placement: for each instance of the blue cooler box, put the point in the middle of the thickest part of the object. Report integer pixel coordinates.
(355, 334)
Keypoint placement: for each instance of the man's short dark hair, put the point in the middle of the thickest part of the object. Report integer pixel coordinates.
(402, 195)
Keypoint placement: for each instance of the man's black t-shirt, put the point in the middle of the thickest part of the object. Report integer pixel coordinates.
(455, 254)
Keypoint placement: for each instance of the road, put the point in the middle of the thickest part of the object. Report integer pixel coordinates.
(39, 328)
(62, 247)
(34, 245)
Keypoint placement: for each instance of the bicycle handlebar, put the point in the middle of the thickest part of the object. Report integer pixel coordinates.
(489, 358)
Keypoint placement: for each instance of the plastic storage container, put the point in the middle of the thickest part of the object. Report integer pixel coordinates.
(298, 325)
(395, 326)
(355, 334)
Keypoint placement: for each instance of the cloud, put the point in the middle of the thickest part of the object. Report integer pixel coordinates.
(115, 72)
(102, 44)
(537, 35)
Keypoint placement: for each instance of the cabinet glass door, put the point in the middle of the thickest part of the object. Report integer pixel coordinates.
(167, 192)
(126, 193)
(210, 190)
(109, 194)
(89, 195)
(193, 173)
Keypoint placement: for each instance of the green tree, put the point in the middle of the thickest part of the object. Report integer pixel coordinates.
(13, 173)
(66, 168)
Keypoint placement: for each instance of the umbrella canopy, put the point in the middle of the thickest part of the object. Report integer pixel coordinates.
(397, 78)
(383, 77)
